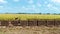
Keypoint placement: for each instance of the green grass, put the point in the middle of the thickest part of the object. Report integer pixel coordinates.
(27, 16)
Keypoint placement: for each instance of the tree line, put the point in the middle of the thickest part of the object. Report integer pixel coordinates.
(36, 13)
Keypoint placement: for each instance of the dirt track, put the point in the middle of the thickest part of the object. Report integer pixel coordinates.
(30, 30)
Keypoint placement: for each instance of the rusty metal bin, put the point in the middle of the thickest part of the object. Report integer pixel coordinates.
(15, 23)
(50, 22)
(24, 23)
(4, 23)
(42, 23)
(32, 22)
(57, 22)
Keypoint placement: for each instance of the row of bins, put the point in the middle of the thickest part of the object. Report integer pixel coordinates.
(31, 23)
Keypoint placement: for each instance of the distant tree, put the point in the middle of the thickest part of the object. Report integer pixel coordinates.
(59, 14)
(48, 13)
(6, 13)
(40, 13)
(55, 14)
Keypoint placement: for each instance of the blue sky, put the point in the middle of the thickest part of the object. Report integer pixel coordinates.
(30, 6)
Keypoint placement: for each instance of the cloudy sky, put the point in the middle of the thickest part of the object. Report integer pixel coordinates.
(30, 6)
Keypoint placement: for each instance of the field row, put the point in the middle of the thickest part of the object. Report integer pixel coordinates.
(27, 16)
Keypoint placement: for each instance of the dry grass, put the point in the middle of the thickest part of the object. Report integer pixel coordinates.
(30, 30)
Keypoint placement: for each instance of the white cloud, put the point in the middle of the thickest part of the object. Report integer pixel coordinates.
(45, 2)
(1, 7)
(58, 1)
(24, 8)
(30, 1)
(16, 0)
(38, 4)
(3, 1)
(49, 5)
(33, 6)
(30, 9)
